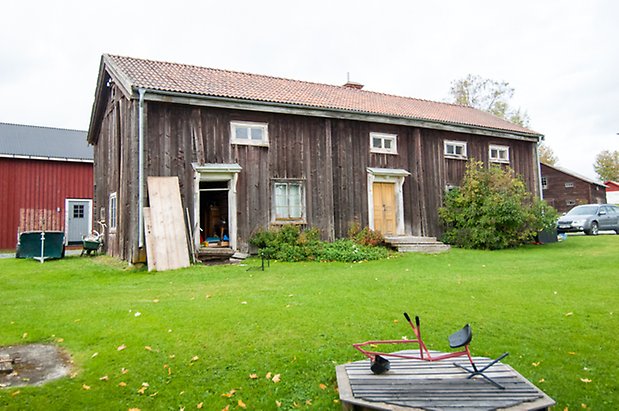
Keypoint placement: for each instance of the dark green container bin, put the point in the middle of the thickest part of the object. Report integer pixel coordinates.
(29, 245)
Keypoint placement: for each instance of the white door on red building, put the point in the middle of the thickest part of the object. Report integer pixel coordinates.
(78, 219)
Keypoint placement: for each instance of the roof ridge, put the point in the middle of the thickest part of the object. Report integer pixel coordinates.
(245, 73)
(48, 127)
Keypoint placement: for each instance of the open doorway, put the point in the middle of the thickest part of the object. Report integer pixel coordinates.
(214, 208)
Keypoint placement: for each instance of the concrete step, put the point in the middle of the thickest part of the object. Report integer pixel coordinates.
(410, 244)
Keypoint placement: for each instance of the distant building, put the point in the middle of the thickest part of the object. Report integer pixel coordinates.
(612, 192)
(46, 182)
(564, 189)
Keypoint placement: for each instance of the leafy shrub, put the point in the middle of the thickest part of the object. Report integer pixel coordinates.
(347, 250)
(493, 210)
(365, 236)
(290, 243)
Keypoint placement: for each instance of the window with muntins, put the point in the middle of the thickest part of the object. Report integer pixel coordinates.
(455, 149)
(544, 183)
(498, 154)
(78, 210)
(112, 209)
(289, 201)
(249, 133)
(383, 143)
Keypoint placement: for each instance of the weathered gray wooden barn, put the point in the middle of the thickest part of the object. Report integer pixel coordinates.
(252, 151)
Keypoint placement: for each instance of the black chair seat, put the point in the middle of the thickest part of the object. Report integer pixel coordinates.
(461, 338)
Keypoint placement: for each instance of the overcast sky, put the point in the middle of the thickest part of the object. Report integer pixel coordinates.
(562, 57)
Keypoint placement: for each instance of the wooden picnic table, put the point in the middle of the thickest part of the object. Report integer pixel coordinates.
(422, 385)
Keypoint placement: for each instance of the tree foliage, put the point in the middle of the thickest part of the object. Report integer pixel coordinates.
(492, 209)
(488, 95)
(606, 165)
(547, 155)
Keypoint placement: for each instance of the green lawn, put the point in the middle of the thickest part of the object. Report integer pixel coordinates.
(555, 308)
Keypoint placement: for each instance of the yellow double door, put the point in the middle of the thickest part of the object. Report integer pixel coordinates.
(384, 208)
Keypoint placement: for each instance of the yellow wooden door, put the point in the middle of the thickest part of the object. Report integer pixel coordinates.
(384, 208)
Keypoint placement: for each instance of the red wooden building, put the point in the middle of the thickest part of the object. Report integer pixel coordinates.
(563, 189)
(46, 182)
(612, 192)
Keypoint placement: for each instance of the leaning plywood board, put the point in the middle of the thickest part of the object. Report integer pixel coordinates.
(151, 257)
(169, 237)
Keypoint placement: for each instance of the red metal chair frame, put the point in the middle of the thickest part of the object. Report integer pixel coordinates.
(424, 353)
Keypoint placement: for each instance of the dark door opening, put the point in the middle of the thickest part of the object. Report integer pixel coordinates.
(214, 214)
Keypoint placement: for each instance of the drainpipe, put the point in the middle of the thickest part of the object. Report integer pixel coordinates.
(539, 169)
(141, 168)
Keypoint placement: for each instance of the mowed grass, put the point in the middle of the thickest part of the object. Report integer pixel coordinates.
(210, 336)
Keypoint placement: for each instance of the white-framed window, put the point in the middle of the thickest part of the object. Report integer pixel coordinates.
(455, 149)
(383, 143)
(569, 185)
(249, 133)
(289, 201)
(544, 183)
(498, 154)
(113, 211)
(570, 202)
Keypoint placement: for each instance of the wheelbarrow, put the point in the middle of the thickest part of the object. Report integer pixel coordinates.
(91, 244)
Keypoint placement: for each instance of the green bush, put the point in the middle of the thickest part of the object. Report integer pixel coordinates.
(492, 209)
(290, 243)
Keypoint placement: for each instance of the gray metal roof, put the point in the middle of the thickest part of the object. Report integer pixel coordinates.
(44, 143)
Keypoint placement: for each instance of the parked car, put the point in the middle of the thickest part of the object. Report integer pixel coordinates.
(590, 218)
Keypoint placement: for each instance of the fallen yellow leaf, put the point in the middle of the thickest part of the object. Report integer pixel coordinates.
(571, 353)
(200, 405)
(226, 408)
(148, 348)
(268, 376)
(104, 378)
(536, 364)
(121, 347)
(122, 384)
(583, 405)
(585, 380)
(85, 387)
(569, 314)
(195, 358)
(94, 355)
(59, 340)
(323, 387)
(134, 409)
(278, 403)
(24, 336)
(277, 378)
(308, 402)
(228, 394)
(242, 404)
(15, 393)
(253, 376)
(124, 370)
(541, 380)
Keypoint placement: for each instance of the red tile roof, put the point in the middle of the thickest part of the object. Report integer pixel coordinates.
(181, 78)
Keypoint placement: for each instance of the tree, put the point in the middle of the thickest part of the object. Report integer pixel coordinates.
(487, 95)
(492, 209)
(607, 165)
(546, 155)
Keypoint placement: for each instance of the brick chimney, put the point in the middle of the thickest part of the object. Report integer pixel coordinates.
(352, 84)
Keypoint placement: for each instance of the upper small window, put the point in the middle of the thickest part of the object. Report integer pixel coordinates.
(499, 154)
(455, 149)
(383, 143)
(544, 183)
(569, 184)
(256, 134)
